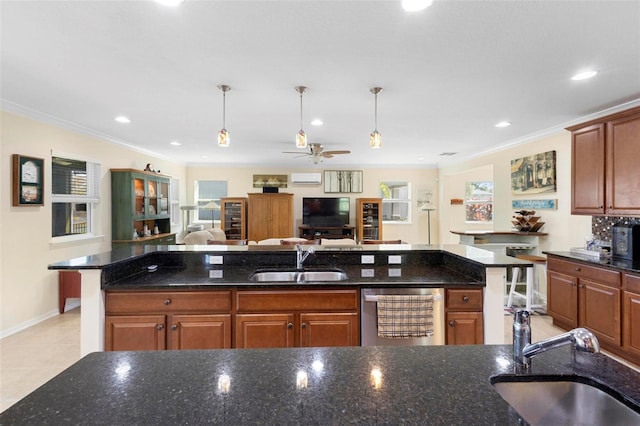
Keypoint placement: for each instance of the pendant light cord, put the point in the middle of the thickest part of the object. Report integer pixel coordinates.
(224, 109)
(301, 111)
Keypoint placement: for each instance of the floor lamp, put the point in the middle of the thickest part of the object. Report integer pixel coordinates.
(212, 205)
(427, 208)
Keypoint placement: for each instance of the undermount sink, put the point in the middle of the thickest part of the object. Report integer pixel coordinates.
(298, 276)
(562, 401)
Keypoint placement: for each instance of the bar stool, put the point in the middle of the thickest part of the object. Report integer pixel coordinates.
(531, 281)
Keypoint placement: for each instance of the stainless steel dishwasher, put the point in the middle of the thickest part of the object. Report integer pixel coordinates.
(369, 317)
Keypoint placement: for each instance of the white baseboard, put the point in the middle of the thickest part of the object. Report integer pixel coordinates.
(52, 313)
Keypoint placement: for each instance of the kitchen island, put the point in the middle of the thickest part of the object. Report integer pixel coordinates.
(418, 385)
(208, 268)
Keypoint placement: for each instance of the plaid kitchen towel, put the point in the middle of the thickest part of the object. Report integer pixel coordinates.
(405, 316)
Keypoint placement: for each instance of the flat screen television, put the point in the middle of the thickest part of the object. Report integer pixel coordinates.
(325, 211)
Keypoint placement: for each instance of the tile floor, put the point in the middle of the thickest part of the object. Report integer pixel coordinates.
(31, 357)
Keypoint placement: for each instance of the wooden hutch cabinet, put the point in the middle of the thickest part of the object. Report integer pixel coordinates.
(604, 178)
(270, 216)
(234, 218)
(369, 218)
(140, 198)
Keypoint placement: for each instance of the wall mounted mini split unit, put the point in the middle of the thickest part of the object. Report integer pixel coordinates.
(315, 178)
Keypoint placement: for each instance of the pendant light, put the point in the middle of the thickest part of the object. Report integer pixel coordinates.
(301, 136)
(223, 136)
(375, 139)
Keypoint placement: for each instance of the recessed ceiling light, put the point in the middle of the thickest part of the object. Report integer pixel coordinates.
(175, 143)
(503, 124)
(123, 119)
(316, 122)
(169, 2)
(584, 75)
(205, 156)
(420, 158)
(448, 153)
(415, 5)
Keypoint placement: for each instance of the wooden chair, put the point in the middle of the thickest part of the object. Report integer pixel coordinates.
(314, 242)
(381, 242)
(227, 242)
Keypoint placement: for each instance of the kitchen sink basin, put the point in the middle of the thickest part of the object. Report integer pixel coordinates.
(563, 401)
(298, 276)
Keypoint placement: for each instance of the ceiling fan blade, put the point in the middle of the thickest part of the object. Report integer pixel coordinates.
(344, 151)
(327, 154)
(296, 152)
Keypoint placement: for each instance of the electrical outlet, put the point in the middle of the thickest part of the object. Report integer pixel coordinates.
(367, 259)
(215, 260)
(366, 273)
(395, 272)
(215, 273)
(395, 260)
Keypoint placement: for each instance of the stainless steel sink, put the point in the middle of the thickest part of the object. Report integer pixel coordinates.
(564, 402)
(298, 276)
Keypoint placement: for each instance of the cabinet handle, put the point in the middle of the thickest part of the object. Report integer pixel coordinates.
(290, 325)
(303, 325)
(452, 323)
(573, 284)
(465, 299)
(578, 269)
(167, 302)
(174, 327)
(581, 286)
(160, 327)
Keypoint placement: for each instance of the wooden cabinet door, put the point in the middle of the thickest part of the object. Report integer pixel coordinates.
(562, 299)
(623, 179)
(600, 310)
(588, 170)
(334, 329)
(464, 328)
(264, 331)
(631, 323)
(199, 331)
(259, 217)
(135, 333)
(281, 217)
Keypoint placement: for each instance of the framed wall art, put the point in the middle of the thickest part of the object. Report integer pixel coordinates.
(342, 181)
(535, 174)
(28, 181)
(274, 181)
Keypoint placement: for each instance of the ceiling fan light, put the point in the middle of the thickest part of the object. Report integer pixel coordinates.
(301, 139)
(415, 5)
(375, 140)
(224, 138)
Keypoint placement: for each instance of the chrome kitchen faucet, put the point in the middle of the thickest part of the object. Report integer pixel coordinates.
(302, 255)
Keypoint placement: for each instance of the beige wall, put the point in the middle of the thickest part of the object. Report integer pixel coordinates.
(28, 291)
(564, 230)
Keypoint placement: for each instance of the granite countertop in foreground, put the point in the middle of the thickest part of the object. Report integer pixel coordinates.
(417, 385)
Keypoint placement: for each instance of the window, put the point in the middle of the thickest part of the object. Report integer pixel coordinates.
(479, 202)
(207, 194)
(396, 202)
(75, 191)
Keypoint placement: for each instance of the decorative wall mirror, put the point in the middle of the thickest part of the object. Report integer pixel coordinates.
(342, 181)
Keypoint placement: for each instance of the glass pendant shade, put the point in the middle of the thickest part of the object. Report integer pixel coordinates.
(301, 139)
(375, 139)
(223, 138)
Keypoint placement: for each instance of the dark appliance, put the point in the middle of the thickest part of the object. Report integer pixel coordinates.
(325, 211)
(626, 241)
(269, 189)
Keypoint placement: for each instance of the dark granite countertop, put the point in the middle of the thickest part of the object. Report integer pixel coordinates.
(622, 265)
(418, 385)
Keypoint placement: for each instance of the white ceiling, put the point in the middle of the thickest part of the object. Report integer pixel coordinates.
(449, 73)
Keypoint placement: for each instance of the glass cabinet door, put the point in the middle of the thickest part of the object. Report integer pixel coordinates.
(138, 191)
(163, 198)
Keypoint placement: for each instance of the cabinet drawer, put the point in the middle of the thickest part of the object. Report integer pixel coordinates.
(127, 302)
(632, 283)
(580, 270)
(464, 299)
(304, 300)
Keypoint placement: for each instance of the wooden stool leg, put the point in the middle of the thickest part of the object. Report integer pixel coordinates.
(531, 278)
(512, 289)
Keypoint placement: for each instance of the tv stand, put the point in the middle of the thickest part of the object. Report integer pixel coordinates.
(312, 232)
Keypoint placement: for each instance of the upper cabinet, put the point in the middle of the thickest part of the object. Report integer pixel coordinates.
(604, 176)
(369, 218)
(234, 218)
(139, 201)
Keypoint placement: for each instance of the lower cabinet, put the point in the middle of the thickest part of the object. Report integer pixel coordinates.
(463, 317)
(580, 295)
(631, 317)
(296, 318)
(157, 320)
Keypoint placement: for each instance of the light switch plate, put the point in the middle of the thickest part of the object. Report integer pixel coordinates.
(215, 273)
(215, 260)
(366, 273)
(395, 272)
(367, 259)
(395, 260)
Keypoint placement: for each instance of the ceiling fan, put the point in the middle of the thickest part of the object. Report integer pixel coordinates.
(317, 153)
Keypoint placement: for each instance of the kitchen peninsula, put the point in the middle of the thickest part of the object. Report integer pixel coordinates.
(211, 269)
